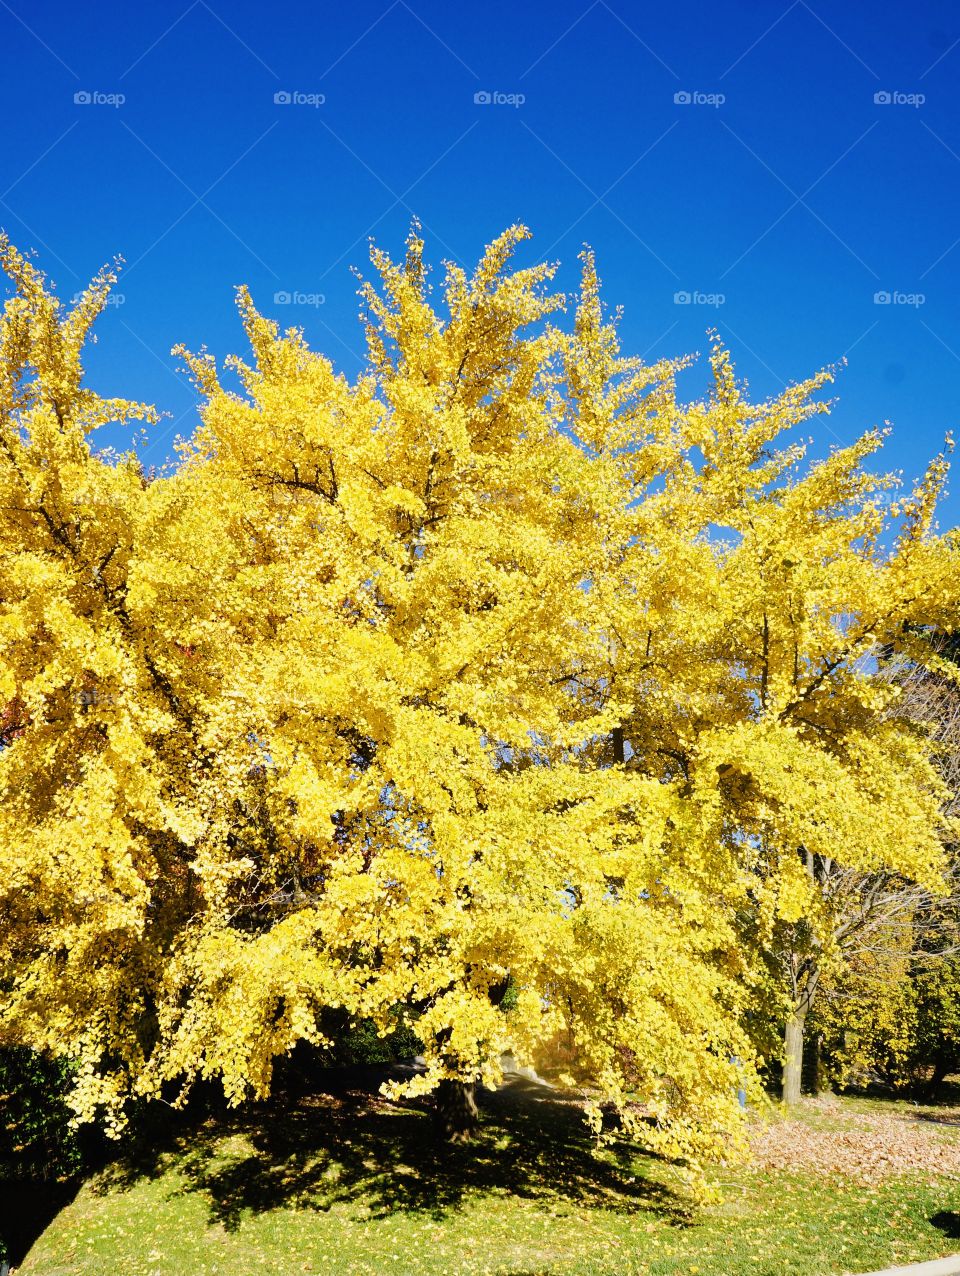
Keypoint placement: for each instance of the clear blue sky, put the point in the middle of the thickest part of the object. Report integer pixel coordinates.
(797, 198)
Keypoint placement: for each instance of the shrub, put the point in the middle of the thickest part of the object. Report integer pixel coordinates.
(36, 1138)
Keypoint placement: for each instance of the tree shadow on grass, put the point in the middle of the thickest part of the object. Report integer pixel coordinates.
(948, 1222)
(347, 1145)
(27, 1208)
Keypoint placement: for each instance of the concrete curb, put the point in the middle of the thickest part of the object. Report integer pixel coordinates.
(938, 1267)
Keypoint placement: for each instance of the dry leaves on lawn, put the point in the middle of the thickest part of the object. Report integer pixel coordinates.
(875, 1146)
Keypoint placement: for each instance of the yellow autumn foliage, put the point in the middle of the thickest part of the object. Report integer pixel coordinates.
(498, 661)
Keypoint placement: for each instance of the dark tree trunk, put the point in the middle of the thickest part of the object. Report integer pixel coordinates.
(455, 1112)
(812, 1070)
(940, 1070)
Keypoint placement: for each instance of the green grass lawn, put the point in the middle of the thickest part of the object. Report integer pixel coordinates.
(345, 1185)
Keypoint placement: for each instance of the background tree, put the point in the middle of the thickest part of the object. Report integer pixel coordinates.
(891, 997)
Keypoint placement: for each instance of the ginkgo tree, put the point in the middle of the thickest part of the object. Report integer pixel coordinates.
(497, 666)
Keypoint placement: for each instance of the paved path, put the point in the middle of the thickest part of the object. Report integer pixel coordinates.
(939, 1267)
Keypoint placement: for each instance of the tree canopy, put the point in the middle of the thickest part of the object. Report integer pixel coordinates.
(496, 664)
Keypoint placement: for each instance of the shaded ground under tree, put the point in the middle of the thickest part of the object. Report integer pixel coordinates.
(332, 1177)
(342, 1142)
